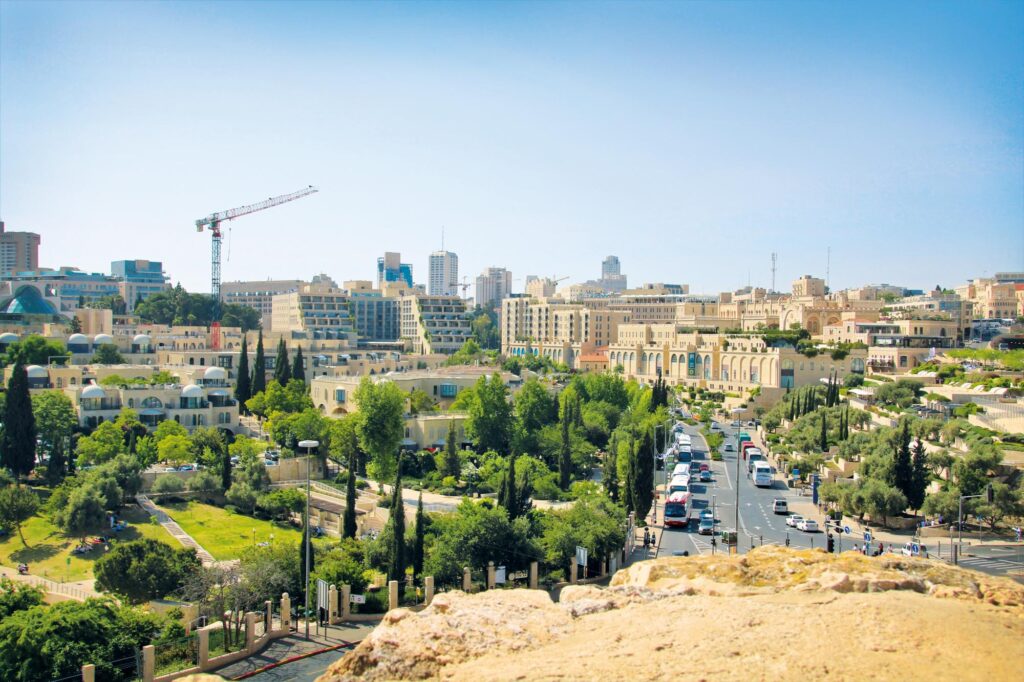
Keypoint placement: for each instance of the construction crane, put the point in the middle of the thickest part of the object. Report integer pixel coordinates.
(212, 223)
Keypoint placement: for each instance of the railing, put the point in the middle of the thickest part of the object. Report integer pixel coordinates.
(58, 588)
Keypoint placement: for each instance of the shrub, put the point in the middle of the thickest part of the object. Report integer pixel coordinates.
(169, 485)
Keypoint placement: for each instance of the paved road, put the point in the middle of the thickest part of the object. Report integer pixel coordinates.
(994, 559)
(757, 524)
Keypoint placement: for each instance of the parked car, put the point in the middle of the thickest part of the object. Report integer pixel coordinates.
(167, 470)
(779, 506)
(187, 467)
(793, 520)
(705, 476)
(269, 462)
(808, 526)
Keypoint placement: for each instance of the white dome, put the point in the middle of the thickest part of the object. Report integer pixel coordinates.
(36, 372)
(93, 391)
(8, 337)
(141, 339)
(215, 373)
(102, 339)
(191, 391)
(78, 338)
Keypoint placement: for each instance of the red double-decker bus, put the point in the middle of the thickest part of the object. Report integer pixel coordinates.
(677, 509)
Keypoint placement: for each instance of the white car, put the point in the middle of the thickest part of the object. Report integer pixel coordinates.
(808, 526)
(793, 520)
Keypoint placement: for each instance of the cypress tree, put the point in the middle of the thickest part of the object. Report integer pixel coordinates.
(349, 521)
(259, 369)
(243, 388)
(282, 369)
(18, 443)
(824, 431)
(610, 469)
(396, 554)
(903, 468)
(417, 548)
(578, 411)
(225, 468)
(644, 492)
(452, 463)
(920, 476)
(630, 488)
(56, 468)
(298, 366)
(565, 452)
(302, 558)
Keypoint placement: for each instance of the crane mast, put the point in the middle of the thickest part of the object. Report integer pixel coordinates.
(212, 223)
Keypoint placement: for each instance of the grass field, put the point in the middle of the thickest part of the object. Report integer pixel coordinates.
(223, 534)
(48, 553)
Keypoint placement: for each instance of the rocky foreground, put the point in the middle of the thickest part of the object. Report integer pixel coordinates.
(776, 613)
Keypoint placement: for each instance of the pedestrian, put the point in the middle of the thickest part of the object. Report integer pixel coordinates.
(881, 548)
(856, 547)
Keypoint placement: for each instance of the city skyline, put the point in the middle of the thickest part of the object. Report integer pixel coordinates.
(797, 129)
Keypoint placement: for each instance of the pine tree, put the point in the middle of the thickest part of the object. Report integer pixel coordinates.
(417, 548)
(282, 368)
(259, 368)
(920, 477)
(298, 366)
(349, 521)
(243, 388)
(824, 431)
(396, 553)
(565, 452)
(18, 440)
(903, 468)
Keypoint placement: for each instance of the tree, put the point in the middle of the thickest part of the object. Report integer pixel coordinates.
(17, 505)
(102, 445)
(84, 511)
(18, 438)
(881, 500)
(107, 354)
(225, 469)
(298, 372)
(169, 485)
(489, 420)
(281, 504)
(396, 552)
(207, 445)
(349, 521)
(126, 471)
(259, 368)
(381, 423)
(307, 556)
(243, 387)
(55, 420)
(16, 597)
(282, 369)
(823, 439)
(420, 402)
(146, 451)
(243, 496)
(903, 467)
(75, 326)
(610, 470)
(920, 476)
(417, 548)
(175, 449)
(205, 481)
(565, 454)
(452, 462)
(33, 350)
(142, 570)
(166, 428)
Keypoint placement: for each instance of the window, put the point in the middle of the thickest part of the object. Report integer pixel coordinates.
(449, 390)
(339, 395)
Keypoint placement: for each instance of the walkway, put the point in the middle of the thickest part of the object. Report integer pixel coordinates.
(80, 591)
(174, 529)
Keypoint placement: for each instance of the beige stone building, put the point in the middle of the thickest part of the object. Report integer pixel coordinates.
(434, 324)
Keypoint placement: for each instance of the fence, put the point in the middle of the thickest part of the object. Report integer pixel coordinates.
(63, 589)
(179, 654)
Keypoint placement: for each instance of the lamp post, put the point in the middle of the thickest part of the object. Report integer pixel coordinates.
(308, 445)
(736, 411)
(988, 495)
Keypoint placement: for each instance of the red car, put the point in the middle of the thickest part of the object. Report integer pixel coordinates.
(704, 466)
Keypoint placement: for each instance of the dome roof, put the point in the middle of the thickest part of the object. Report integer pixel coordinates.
(78, 338)
(215, 373)
(93, 391)
(27, 300)
(8, 337)
(102, 339)
(191, 391)
(141, 339)
(36, 372)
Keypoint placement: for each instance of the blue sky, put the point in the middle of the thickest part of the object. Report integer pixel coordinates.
(690, 139)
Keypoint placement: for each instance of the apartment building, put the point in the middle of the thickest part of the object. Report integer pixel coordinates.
(390, 268)
(492, 286)
(443, 277)
(434, 324)
(991, 298)
(139, 279)
(913, 333)
(315, 310)
(19, 251)
(259, 295)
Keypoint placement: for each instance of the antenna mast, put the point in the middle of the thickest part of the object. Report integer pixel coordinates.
(775, 259)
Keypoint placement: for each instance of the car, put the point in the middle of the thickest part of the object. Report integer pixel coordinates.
(704, 466)
(706, 527)
(269, 462)
(793, 520)
(166, 470)
(808, 526)
(715, 426)
(187, 467)
(728, 447)
(779, 506)
(707, 513)
(705, 476)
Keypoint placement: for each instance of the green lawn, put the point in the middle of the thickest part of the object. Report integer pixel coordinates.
(223, 534)
(48, 553)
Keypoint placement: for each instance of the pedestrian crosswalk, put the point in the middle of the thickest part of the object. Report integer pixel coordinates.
(989, 564)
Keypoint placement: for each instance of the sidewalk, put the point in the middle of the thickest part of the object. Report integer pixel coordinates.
(174, 529)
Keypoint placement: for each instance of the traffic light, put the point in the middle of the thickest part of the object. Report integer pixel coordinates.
(831, 543)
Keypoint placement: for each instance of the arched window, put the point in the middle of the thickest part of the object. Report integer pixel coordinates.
(152, 402)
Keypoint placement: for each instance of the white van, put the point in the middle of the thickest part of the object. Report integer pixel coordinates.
(681, 469)
(762, 475)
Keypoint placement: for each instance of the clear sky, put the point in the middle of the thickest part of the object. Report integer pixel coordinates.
(690, 139)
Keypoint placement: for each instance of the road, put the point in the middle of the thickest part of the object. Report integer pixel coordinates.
(757, 524)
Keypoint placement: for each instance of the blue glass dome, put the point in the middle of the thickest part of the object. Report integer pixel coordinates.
(27, 301)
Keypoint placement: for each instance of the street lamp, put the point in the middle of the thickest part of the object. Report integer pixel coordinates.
(308, 445)
(988, 495)
(736, 411)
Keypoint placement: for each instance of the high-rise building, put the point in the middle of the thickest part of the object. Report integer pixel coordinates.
(19, 251)
(390, 268)
(444, 274)
(610, 266)
(492, 286)
(612, 280)
(140, 279)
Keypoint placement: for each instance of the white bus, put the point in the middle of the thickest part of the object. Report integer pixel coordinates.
(762, 475)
